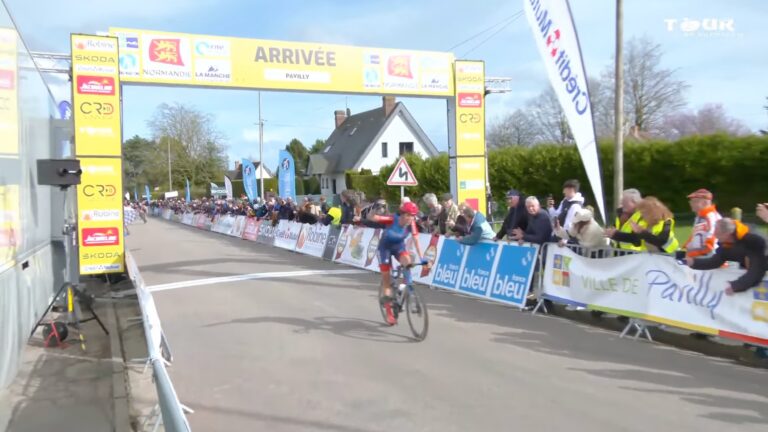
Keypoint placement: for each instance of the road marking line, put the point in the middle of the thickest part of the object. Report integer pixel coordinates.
(250, 276)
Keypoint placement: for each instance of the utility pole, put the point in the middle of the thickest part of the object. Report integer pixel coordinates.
(618, 151)
(261, 151)
(170, 183)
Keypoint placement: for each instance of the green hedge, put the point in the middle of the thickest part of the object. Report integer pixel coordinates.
(733, 168)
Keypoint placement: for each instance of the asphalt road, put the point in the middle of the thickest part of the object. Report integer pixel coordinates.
(310, 353)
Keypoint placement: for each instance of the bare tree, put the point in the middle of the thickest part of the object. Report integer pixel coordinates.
(651, 92)
(548, 118)
(765, 131)
(601, 97)
(709, 119)
(515, 129)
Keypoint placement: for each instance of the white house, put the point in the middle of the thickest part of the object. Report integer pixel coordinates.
(368, 140)
(237, 173)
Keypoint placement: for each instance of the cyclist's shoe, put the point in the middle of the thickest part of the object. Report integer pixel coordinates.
(391, 320)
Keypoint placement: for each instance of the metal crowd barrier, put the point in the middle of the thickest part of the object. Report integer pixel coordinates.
(169, 409)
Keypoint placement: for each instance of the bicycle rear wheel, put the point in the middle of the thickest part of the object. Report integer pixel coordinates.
(416, 310)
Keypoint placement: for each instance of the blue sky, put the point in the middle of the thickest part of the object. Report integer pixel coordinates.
(725, 68)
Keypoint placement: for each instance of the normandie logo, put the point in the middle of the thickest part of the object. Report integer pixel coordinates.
(561, 274)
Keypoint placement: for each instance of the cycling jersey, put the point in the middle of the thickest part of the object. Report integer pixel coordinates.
(392, 240)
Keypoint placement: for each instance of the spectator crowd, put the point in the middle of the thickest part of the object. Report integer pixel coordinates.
(640, 224)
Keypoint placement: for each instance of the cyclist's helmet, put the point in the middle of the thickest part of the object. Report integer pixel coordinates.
(409, 208)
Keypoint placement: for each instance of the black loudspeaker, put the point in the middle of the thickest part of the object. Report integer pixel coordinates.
(58, 172)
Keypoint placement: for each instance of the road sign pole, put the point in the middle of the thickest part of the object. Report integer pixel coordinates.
(402, 193)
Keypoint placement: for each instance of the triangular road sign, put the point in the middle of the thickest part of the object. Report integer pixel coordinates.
(402, 175)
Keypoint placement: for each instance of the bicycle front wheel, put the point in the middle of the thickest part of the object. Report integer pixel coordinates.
(418, 319)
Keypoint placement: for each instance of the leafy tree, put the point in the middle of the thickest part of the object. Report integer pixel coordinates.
(317, 147)
(300, 155)
(191, 139)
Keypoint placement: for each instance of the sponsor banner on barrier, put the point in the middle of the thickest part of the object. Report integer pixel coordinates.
(657, 288)
(200, 220)
(513, 275)
(359, 247)
(478, 268)
(430, 248)
(237, 227)
(329, 252)
(312, 239)
(187, 218)
(449, 262)
(286, 234)
(223, 224)
(341, 244)
(251, 230)
(266, 233)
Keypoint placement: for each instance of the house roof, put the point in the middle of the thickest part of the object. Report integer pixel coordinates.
(237, 174)
(349, 143)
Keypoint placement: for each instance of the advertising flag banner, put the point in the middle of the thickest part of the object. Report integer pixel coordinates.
(286, 176)
(555, 35)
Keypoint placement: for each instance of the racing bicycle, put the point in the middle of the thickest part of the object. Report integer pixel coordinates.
(406, 298)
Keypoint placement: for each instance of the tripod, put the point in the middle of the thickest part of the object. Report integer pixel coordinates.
(70, 287)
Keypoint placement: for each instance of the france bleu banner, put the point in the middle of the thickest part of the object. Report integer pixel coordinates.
(249, 180)
(449, 264)
(478, 268)
(513, 275)
(188, 197)
(286, 176)
(146, 193)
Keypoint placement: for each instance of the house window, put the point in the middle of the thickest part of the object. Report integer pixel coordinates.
(406, 147)
(333, 189)
(384, 150)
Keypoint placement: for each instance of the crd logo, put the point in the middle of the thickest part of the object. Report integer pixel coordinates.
(99, 108)
(99, 190)
(469, 118)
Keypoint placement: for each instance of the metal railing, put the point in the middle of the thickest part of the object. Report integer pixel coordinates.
(169, 409)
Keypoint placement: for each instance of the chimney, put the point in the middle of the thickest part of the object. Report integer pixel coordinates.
(388, 102)
(340, 116)
(237, 166)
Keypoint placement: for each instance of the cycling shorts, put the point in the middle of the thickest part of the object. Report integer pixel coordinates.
(387, 251)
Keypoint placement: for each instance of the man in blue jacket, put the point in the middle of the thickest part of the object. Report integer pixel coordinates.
(539, 230)
(479, 228)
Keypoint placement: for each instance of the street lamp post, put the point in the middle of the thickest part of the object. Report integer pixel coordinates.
(261, 151)
(170, 183)
(618, 151)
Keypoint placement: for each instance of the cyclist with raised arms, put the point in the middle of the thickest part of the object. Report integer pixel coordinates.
(392, 243)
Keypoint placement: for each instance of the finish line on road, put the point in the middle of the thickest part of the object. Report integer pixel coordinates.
(250, 276)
